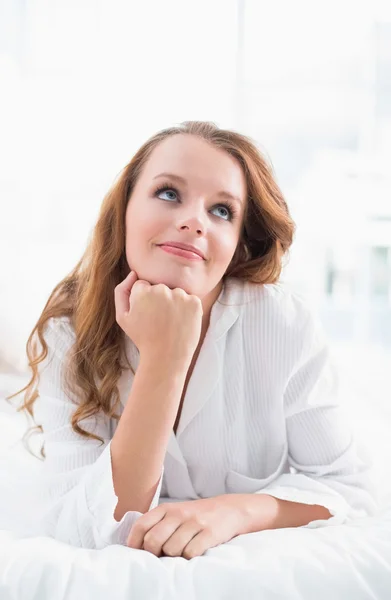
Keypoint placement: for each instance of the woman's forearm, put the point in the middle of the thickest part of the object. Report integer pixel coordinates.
(139, 444)
(267, 512)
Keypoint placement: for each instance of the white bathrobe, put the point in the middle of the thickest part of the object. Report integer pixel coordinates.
(261, 415)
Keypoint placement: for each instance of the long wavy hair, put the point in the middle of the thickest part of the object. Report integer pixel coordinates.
(86, 294)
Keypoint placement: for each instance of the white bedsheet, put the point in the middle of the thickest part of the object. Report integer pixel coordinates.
(351, 561)
(343, 562)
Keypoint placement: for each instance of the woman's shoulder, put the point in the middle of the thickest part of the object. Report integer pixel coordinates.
(59, 332)
(278, 312)
(273, 300)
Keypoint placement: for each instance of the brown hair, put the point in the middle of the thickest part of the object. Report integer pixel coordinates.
(86, 294)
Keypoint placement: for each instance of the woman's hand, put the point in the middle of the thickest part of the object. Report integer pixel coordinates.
(160, 321)
(190, 528)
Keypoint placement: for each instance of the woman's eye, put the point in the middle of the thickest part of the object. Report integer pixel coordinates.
(225, 214)
(171, 193)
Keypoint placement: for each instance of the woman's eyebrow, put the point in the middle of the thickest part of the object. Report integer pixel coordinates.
(221, 194)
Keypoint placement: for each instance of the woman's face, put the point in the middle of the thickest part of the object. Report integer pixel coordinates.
(188, 192)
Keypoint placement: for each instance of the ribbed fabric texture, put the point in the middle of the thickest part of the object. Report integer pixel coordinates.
(77, 492)
(261, 415)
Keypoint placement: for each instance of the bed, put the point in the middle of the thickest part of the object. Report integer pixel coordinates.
(340, 562)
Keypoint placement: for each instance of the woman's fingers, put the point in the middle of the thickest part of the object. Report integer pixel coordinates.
(144, 524)
(178, 542)
(160, 534)
(122, 293)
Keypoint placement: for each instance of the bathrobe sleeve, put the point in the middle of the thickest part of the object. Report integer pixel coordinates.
(75, 491)
(328, 466)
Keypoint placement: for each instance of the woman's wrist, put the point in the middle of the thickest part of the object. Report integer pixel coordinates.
(164, 363)
(263, 511)
(260, 512)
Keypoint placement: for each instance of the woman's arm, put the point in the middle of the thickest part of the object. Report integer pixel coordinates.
(76, 498)
(330, 470)
(143, 432)
(262, 511)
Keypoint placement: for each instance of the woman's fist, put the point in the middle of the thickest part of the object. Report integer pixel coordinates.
(160, 321)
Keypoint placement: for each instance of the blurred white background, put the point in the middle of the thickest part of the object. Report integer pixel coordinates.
(83, 83)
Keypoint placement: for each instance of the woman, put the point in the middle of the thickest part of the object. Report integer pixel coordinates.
(185, 396)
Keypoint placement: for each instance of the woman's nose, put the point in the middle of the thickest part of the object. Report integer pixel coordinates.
(193, 222)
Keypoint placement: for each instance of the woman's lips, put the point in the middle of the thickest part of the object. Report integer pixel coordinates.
(180, 252)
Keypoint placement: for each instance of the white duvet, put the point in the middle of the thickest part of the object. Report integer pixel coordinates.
(343, 562)
(349, 562)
